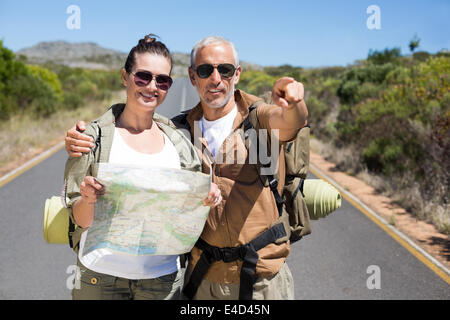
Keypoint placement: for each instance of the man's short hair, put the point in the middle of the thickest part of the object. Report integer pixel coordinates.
(213, 40)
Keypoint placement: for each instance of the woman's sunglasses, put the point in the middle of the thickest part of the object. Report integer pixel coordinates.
(226, 70)
(143, 78)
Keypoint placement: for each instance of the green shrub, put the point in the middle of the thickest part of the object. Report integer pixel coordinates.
(359, 83)
(71, 100)
(385, 56)
(421, 56)
(33, 95)
(256, 82)
(49, 77)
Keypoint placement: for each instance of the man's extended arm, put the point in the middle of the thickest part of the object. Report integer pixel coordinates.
(292, 115)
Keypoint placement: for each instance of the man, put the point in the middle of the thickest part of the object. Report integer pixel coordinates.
(226, 263)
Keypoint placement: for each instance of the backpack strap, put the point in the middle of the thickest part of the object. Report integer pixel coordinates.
(248, 253)
(251, 122)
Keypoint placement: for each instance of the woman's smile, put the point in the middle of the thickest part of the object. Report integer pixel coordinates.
(148, 97)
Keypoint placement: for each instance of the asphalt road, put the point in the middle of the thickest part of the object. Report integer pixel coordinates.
(347, 256)
(335, 262)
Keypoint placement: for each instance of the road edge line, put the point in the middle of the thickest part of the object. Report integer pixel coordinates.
(30, 164)
(396, 234)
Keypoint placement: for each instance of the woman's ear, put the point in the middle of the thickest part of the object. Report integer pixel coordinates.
(125, 77)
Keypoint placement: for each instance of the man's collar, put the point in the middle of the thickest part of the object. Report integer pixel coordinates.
(243, 102)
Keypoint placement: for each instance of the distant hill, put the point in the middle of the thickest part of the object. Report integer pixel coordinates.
(85, 55)
(90, 55)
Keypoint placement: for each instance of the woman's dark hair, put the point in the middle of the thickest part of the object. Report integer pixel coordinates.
(151, 45)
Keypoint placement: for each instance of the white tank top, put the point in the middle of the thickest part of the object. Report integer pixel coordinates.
(129, 266)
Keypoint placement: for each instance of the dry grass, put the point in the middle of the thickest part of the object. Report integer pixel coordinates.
(401, 189)
(23, 137)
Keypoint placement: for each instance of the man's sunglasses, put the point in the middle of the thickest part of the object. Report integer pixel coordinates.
(143, 78)
(226, 70)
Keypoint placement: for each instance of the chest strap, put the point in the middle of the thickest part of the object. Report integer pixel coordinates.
(247, 253)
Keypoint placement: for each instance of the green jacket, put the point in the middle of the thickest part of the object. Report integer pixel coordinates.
(102, 131)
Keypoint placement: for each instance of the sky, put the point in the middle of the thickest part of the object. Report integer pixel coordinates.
(265, 32)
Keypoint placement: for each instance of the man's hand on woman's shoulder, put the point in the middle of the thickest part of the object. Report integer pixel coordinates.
(78, 143)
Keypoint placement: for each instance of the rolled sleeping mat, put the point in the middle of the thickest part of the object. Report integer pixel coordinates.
(321, 198)
(56, 221)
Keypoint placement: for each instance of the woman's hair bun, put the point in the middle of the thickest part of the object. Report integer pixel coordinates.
(150, 38)
(149, 44)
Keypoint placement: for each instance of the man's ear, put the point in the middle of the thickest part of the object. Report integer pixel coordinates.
(125, 76)
(237, 75)
(191, 76)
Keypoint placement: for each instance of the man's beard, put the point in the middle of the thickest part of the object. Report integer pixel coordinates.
(221, 103)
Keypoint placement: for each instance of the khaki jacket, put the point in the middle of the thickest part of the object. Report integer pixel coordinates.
(248, 208)
(77, 168)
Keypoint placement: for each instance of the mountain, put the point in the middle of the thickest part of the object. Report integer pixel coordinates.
(84, 55)
(90, 55)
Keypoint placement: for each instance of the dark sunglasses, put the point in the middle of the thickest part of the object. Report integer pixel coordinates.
(226, 70)
(143, 78)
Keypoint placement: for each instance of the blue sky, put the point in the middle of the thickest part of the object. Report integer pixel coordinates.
(300, 33)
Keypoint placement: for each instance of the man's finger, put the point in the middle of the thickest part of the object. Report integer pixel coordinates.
(81, 126)
(293, 92)
(281, 84)
(279, 101)
(287, 91)
(81, 150)
(74, 154)
(78, 135)
(79, 143)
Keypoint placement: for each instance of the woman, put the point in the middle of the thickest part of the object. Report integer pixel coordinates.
(131, 134)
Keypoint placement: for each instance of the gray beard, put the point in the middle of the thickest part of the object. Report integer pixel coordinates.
(224, 102)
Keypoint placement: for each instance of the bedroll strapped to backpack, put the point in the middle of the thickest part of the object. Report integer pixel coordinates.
(293, 222)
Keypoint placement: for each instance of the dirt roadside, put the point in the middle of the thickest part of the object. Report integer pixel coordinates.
(424, 234)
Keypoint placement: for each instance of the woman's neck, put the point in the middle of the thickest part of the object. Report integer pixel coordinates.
(135, 121)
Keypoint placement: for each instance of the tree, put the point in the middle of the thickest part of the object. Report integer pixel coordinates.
(414, 43)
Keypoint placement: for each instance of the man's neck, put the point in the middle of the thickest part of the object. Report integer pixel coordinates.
(212, 114)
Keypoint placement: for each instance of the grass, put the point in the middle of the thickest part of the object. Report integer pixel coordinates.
(23, 136)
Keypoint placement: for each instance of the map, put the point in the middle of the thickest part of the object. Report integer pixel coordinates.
(148, 211)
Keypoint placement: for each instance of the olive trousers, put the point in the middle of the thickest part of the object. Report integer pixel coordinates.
(90, 285)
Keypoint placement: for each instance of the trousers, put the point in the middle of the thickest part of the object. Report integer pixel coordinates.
(91, 285)
(278, 287)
